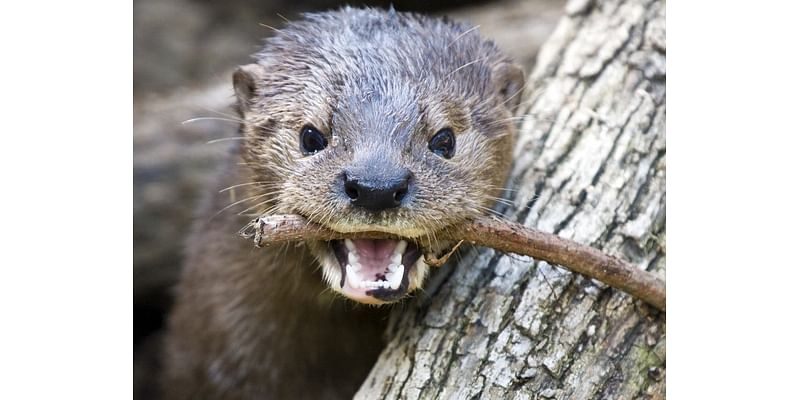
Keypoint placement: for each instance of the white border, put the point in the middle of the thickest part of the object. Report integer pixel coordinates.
(733, 169)
(66, 174)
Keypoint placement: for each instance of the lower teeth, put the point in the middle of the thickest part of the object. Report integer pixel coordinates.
(392, 281)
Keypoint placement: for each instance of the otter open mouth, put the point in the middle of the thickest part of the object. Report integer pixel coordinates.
(377, 268)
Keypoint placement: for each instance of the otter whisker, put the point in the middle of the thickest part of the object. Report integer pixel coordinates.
(466, 65)
(462, 34)
(481, 105)
(270, 27)
(254, 206)
(313, 214)
(226, 139)
(231, 116)
(502, 189)
(239, 202)
(517, 118)
(513, 95)
(273, 209)
(530, 100)
(500, 122)
(490, 211)
(196, 119)
(500, 200)
(435, 239)
(242, 184)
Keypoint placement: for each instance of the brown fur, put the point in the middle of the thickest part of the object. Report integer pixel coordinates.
(251, 323)
(263, 323)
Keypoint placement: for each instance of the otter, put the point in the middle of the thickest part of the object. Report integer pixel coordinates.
(358, 119)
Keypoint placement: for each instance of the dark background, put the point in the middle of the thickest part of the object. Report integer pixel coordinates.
(184, 53)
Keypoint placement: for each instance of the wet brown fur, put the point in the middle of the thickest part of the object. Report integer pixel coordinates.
(267, 323)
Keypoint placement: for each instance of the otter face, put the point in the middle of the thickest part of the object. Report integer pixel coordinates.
(364, 120)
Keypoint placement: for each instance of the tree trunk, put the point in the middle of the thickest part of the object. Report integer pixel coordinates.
(590, 166)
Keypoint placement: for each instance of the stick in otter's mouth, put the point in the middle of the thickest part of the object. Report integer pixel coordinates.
(491, 232)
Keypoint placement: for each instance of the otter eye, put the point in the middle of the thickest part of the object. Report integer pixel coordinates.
(312, 140)
(443, 143)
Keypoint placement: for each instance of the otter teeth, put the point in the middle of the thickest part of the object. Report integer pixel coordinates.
(396, 276)
(393, 275)
(397, 255)
(352, 258)
(393, 278)
(352, 277)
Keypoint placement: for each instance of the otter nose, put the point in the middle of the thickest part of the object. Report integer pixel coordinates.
(377, 193)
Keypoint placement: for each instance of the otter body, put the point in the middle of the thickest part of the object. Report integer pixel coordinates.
(258, 323)
(360, 120)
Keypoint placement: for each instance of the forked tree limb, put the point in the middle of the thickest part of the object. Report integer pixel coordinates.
(504, 236)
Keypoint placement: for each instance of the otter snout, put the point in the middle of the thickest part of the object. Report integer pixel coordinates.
(377, 187)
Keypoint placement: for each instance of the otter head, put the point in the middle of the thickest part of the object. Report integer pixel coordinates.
(364, 120)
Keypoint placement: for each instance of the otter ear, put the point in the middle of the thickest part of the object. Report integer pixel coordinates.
(245, 81)
(508, 81)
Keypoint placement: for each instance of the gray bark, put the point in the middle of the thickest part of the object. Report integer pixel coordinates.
(590, 165)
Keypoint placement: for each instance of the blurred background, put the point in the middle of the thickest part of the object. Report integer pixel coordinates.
(184, 54)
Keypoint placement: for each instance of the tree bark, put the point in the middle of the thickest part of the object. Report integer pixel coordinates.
(590, 165)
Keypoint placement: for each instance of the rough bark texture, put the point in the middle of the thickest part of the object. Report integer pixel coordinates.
(590, 166)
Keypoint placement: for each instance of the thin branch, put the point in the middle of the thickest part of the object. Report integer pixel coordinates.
(498, 234)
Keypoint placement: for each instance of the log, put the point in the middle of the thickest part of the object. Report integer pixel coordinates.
(590, 166)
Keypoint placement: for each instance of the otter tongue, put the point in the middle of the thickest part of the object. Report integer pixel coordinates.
(374, 255)
(373, 264)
